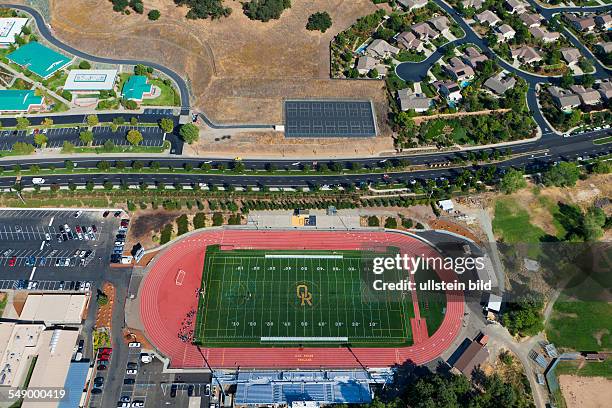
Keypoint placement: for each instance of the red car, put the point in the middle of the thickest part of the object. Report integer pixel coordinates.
(12, 261)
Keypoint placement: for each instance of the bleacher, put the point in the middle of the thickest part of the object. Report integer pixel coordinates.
(286, 387)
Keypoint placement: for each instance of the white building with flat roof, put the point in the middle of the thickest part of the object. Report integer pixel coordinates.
(90, 80)
(9, 28)
(54, 309)
(18, 346)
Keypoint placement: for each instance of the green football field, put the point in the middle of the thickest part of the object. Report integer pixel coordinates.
(271, 298)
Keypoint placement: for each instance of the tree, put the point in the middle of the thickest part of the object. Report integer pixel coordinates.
(108, 146)
(22, 123)
(167, 125)
(373, 221)
(154, 15)
(373, 73)
(40, 139)
(567, 80)
(564, 174)
(134, 137)
(86, 137)
(130, 104)
(391, 223)
(92, 120)
(190, 133)
(512, 181)
(141, 69)
(21, 148)
(265, 10)
(199, 220)
(69, 165)
(602, 167)
(319, 21)
(103, 165)
(84, 65)
(67, 147)
(217, 219)
(46, 122)
(212, 9)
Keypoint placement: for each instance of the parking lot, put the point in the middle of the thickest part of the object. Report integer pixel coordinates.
(152, 136)
(55, 246)
(139, 382)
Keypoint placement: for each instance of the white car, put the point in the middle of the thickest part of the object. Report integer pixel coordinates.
(47, 236)
(134, 344)
(87, 286)
(131, 372)
(38, 180)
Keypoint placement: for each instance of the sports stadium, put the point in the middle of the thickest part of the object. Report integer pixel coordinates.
(287, 299)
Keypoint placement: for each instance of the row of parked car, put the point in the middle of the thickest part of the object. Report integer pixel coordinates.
(80, 232)
(120, 241)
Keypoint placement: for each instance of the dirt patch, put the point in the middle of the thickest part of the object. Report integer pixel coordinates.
(19, 299)
(133, 335)
(239, 70)
(274, 144)
(144, 223)
(453, 227)
(104, 318)
(586, 392)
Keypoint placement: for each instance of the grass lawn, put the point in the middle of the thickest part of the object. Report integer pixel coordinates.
(165, 99)
(271, 298)
(512, 223)
(55, 82)
(581, 325)
(431, 304)
(460, 135)
(603, 140)
(588, 369)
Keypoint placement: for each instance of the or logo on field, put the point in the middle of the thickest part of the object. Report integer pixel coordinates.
(304, 295)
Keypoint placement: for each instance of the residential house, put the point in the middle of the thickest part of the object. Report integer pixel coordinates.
(488, 17)
(526, 55)
(542, 34)
(365, 64)
(412, 4)
(441, 23)
(531, 20)
(411, 100)
(475, 4)
(563, 98)
(588, 96)
(424, 31)
(409, 41)
(605, 89)
(571, 55)
(473, 57)
(605, 46)
(458, 70)
(381, 49)
(580, 23)
(449, 89)
(505, 33)
(515, 6)
(604, 21)
(499, 84)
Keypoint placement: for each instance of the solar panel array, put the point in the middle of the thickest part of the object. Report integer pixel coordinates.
(323, 119)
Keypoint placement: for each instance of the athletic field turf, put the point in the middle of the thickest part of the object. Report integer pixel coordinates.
(315, 298)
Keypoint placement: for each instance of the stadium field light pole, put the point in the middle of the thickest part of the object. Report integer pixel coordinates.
(212, 372)
(364, 368)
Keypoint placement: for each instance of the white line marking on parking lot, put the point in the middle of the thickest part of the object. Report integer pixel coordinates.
(51, 222)
(42, 245)
(32, 274)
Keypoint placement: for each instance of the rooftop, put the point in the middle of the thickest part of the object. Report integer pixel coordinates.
(52, 309)
(13, 100)
(10, 27)
(90, 79)
(135, 87)
(39, 59)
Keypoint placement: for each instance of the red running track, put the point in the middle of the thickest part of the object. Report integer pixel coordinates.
(164, 305)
